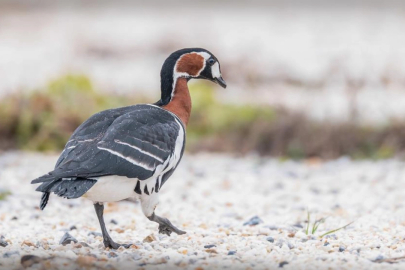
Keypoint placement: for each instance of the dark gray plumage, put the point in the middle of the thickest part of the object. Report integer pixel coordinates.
(144, 134)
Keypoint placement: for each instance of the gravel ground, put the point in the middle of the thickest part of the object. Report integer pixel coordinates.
(212, 197)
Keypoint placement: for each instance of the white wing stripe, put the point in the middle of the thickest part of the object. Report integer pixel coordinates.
(140, 150)
(89, 140)
(133, 161)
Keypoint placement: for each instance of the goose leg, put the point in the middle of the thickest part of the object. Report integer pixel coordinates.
(149, 203)
(165, 226)
(107, 240)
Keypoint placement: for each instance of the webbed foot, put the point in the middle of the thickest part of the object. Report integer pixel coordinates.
(165, 226)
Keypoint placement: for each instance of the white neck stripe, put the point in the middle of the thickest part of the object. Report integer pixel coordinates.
(177, 75)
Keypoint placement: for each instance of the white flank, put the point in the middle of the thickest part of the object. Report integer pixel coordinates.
(133, 161)
(112, 189)
(149, 202)
(179, 141)
(175, 158)
(140, 150)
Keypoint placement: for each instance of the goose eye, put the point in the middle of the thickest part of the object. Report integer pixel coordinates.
(211, 61)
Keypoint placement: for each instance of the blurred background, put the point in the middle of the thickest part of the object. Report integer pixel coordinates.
(306, 79)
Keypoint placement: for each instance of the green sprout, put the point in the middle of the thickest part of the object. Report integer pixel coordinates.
(317, 223)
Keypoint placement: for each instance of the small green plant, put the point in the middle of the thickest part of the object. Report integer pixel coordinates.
(317, 222)
(4, 194)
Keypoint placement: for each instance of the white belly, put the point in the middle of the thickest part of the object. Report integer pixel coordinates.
(112, 189)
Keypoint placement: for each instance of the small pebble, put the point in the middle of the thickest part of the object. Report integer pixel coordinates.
(281, 265)
(112, 255)
(183, 250)
(84, 244)
(263, 231)
(85, 261)
(270, 239)
(93, 255)
(73, 228)
(232, 252)
(209, 246)
(379, 258)
(290, 245)
(3, 242)
(95, 234)
(291, 234)
(149, 239)
(29, 260)
(8, 254)
(300, 234)
(253, 221)
(70, 254)
(280, 243)
(331, 236)
(67, 239)
(342, 248)
(27, 243)
(113, 221)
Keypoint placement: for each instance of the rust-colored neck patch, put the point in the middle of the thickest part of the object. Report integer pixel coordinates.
(191, 63)
(180, 104)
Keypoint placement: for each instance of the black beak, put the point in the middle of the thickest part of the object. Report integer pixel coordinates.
(220, 81)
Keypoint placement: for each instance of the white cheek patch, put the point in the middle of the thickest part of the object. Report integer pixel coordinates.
(205, 55)
(215, 70)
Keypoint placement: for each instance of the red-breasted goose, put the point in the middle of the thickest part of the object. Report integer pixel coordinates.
(130, 152)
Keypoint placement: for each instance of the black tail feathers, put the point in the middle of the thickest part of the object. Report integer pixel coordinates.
(44, 178)
(44, 200)
(67, 188)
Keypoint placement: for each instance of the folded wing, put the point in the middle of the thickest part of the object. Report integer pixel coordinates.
(134, 144)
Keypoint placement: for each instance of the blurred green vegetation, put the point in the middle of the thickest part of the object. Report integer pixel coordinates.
(211, 118)
(4, 194)
(43, 120)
